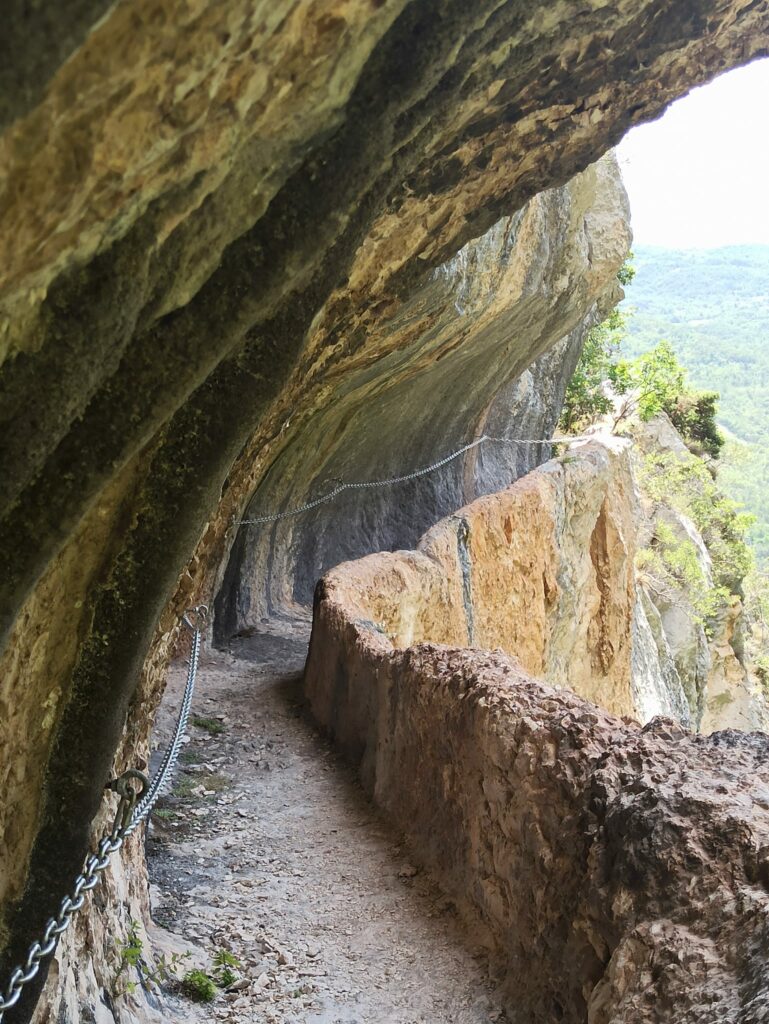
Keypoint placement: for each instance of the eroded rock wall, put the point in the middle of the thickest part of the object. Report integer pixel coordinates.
(688, 657)
(620, 872)
(543, 570)
(485, 345)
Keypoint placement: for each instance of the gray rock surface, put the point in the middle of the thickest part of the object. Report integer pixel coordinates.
(494, 335)
(657, 687)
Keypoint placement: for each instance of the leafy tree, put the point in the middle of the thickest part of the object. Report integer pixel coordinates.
(653, 382)
(656, 382)
(712, 305)
(656, 378)
(694, 417)
(586, 398)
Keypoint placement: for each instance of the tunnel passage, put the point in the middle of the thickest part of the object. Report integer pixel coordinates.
(211, 214)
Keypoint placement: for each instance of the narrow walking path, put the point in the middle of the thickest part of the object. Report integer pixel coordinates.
(268, 848)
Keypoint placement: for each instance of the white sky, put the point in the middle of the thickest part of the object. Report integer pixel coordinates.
(699, 176)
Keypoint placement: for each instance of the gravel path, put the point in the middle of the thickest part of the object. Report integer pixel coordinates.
(268, 848)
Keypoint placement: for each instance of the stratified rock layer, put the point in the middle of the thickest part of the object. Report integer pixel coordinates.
(622, 873)
(461, 357)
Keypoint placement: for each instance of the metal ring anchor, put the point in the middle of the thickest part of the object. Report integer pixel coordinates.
(128, 794)
(195, 618)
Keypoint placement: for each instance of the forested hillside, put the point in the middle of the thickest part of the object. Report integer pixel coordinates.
(713, 306)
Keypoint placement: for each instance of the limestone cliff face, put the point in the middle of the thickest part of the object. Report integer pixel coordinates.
(213, 213)
(687, 657)
(462, 358)
(543, 570)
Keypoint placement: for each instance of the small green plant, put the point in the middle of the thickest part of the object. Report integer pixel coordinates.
(216, 782)
(183, 786)
(225, 965)
(130, 948)
(164, 813)
(167, 969)
(226, 977)
(131, 951)
(211, 725)
(199, 986)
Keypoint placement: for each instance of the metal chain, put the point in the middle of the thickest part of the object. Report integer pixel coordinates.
(133, 808)
(165, 770)
(360, 485)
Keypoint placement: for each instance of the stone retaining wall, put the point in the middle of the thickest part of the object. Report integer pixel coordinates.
(621, 873)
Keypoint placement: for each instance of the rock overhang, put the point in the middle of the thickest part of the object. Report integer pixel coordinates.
(205, 224)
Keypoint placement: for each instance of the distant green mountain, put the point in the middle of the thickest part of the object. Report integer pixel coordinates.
(713, 306)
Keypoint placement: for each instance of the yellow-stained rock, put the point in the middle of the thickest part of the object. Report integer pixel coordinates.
(543, 571)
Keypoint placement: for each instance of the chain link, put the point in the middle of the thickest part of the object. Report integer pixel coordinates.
(388, 481)
(133, 808)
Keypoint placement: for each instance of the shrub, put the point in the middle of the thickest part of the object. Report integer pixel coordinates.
(674, 562)
(199, 986)
(693, 414)
(686, 485)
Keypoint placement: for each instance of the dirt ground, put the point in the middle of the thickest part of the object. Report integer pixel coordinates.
(268, 848)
